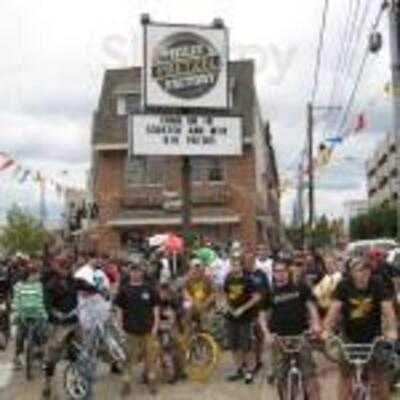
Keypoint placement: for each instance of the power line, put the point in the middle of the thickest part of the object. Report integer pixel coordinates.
(339, 61)
(319, 50)
(350, 102)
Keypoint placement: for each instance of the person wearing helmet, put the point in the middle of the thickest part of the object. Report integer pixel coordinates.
(28, 304)
(61, 301)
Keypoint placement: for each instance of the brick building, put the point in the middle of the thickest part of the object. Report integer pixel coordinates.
(233, 197)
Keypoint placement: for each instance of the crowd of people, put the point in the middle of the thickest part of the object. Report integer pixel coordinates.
(263, 297)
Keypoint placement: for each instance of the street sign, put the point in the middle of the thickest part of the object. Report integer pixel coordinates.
(190, 135)
(185, 66)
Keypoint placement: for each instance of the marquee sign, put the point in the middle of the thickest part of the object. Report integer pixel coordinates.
(177, 134)
(185, 66)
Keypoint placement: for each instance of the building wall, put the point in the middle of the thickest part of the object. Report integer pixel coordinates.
(108, 193)
(245, 175)
(382, 172)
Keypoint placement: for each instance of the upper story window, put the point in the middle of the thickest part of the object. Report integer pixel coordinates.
(207, 169)
(144, 171)
(129, 103)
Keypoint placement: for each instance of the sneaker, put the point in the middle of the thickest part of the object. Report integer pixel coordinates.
(116, 369)
(248, 378)
(126, 390)
(238, 375)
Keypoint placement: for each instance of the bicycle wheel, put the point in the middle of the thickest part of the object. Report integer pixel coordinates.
(202, 356)
(76, 386)
(292, 389)
(29, 354)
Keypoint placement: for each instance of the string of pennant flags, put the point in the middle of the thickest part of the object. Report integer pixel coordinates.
(326, 149)
(21, 174)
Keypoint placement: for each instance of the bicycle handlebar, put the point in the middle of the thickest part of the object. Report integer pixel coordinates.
(357, 354)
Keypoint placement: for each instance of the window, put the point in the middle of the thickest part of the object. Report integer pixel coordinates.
(207, 169)
(128, 104)
(145, 171)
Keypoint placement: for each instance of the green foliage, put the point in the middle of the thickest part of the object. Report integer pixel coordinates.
(377, 222)
(22, 233)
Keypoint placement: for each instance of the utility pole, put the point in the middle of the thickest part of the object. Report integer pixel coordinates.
(186, 198)
(310, 136)
(394, 22)
(310, 123)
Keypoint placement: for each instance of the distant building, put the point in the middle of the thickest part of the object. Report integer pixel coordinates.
(353, 208)
(382, 173)
(233, 197)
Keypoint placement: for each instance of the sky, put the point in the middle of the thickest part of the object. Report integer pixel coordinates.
(54, 54)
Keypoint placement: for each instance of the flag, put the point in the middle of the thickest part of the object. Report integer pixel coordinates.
(360, 123)
(335, 140)
(5, 161)
(387, 88)
(24, 176)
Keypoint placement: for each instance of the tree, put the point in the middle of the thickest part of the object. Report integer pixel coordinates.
(377, 222)
(22, 233)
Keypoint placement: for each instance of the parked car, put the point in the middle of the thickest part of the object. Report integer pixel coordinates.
(360, 247)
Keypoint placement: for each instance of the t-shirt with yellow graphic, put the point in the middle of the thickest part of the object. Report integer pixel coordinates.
(199, 290)
(239, 290)
(361, 309)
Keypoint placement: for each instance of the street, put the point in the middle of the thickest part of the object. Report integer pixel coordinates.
(14, 386)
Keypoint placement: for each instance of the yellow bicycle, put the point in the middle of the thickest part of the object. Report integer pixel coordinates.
(202, 353)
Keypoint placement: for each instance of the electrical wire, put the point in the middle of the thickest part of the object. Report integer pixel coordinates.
(319, 50)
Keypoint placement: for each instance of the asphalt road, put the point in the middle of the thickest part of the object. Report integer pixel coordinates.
(13, 386)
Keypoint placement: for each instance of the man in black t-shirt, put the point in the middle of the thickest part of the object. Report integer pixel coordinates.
(140, 315)
(290, 310)
(261, 285)
(363, 302)
(242, 298)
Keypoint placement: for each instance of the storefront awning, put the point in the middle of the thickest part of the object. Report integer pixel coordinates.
(207, 216)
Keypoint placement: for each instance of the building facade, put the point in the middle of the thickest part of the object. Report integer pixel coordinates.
(382, 173)
(233, 197)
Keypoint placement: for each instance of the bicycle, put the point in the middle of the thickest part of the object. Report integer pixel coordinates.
(79, 374)
(292, 386)
(357, 356)
(202, 353)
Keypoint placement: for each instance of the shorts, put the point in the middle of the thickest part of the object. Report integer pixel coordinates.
(280, 362)
(240, 334)
(139, 347)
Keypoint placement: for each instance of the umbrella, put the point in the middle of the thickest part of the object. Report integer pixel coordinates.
(206, 255)
(174, 244)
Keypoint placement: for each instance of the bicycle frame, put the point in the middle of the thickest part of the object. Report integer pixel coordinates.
(292, 346)
(358, 356)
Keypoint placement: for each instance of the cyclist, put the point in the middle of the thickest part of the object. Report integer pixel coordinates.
(140, 315)
(290, 310)
(242, 298)
(28, 303)
(199, 294)
(361, 302)
(261, 284)
(61, 300)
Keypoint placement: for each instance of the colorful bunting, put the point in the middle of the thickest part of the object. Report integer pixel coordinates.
(360, 123)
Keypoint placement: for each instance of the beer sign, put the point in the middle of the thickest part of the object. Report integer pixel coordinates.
(185, 66)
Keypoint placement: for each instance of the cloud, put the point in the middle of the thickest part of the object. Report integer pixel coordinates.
(54, 59)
